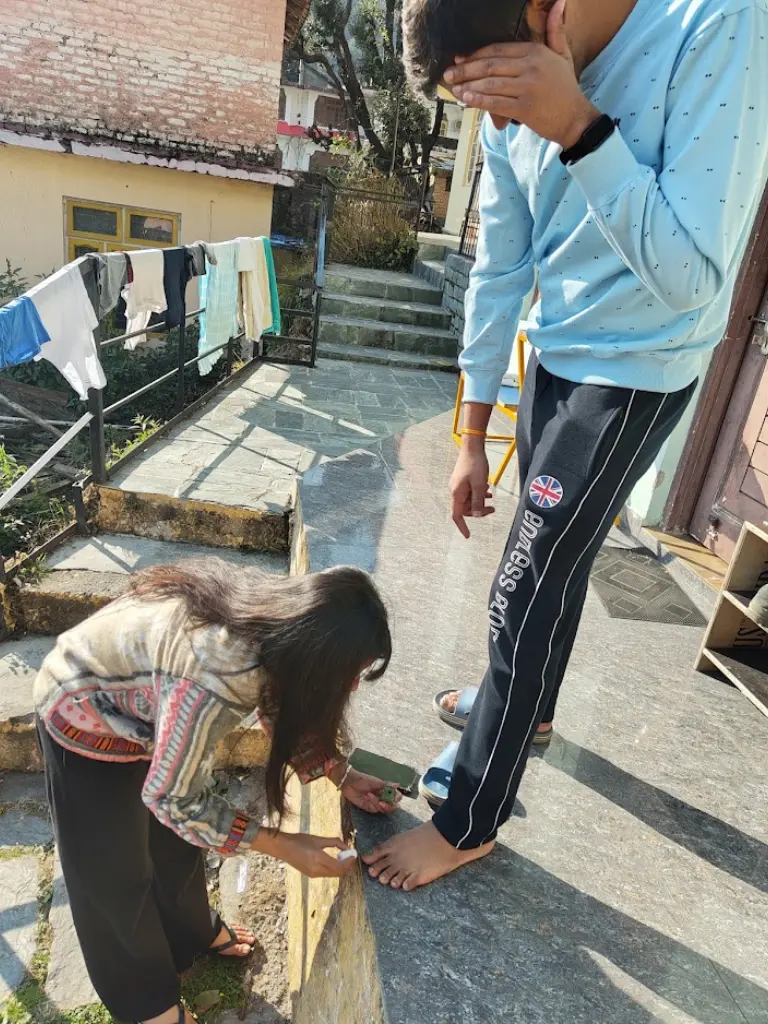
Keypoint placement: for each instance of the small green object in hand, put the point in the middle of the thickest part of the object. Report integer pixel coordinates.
(388, 795)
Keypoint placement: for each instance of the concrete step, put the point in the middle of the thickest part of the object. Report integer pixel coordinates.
(133, 509)
(342, 330)
(87, 573)
(380, 284)
(431, 271)
(20, 661)
(386, 357)
(391, 311)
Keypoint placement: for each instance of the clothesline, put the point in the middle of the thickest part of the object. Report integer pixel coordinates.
(56, 319)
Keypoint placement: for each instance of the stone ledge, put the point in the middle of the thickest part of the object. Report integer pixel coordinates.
(162, 517)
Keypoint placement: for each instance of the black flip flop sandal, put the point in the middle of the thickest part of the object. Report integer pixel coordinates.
(181, 1019)
(230, 944)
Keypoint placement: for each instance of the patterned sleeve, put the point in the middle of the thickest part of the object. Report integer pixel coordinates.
(190, 722)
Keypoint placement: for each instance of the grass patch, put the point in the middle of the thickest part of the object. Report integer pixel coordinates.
(15, 852)
(219, 974)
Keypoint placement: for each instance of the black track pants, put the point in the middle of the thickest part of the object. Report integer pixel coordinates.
(582, 448)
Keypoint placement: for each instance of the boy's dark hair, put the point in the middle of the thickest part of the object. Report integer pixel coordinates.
(435, 32)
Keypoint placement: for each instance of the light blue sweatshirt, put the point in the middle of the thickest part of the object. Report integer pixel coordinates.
(638, 245)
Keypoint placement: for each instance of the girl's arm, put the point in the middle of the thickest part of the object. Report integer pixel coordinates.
(190, 722)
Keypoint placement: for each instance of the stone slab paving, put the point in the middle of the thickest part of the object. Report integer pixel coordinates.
(630, 886)
(67, 985)
(123, 554)
(18, 920)
(247, 447)
(20, 827)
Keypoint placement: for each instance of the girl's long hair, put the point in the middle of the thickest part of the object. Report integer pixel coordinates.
(312, 635)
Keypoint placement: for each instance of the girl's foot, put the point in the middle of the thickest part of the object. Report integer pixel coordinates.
(233, 941)
(449, 701)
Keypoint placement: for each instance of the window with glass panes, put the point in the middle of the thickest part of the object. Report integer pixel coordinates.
(103, 227)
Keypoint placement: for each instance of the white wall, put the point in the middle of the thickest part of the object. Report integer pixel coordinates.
(461, 187)
(649, 498)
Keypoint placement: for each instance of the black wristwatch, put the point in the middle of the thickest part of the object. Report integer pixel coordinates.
(598, 132)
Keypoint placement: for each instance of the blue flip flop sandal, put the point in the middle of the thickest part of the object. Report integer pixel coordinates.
(457, 718)
(436, 780)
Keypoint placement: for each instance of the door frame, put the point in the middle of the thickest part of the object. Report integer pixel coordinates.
(720, 382)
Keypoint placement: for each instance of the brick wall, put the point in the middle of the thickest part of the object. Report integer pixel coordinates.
(199, 78)
(457, 270)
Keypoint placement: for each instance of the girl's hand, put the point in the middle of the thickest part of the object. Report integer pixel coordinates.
(307, 855)
(364, 792)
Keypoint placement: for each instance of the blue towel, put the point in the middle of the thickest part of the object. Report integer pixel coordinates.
(21, 332)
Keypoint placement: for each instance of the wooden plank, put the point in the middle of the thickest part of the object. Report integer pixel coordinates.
(746, 669)
(741, 601)
(755, 486)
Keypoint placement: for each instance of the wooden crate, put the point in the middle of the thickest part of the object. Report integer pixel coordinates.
(734, 643)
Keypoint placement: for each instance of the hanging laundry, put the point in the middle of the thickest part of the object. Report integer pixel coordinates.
(112, 279)
(254, 310)
(104, 278)
(178, 270)
(22, 332)
(201, 251)
(218, 297)
(69, 318)
(145, 294)
(273, 292)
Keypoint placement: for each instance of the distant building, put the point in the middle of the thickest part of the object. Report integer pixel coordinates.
(127, 125)
(308, 99)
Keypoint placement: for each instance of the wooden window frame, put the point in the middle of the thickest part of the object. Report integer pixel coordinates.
(85, 204)
(110, 243)
(145, 243)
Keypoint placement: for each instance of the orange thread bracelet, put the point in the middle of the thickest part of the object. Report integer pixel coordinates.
(468, 432)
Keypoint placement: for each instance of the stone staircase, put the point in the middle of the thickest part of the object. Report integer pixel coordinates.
(385, 317)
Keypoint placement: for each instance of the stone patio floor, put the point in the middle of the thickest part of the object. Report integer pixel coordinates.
(631, 886)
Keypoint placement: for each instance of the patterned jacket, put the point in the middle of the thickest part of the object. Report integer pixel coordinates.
(135, 682)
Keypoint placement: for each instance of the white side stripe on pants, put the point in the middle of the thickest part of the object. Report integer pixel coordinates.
(528, 612)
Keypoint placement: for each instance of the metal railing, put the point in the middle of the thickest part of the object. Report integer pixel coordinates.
(471, 226)
(95, 418)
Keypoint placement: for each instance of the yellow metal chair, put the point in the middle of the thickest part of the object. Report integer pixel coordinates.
(507, 404)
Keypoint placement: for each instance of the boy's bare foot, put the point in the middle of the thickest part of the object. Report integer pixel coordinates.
(418, 857)
(243, 948)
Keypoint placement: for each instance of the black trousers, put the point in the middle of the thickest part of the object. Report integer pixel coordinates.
(581, 449)
(137, 890)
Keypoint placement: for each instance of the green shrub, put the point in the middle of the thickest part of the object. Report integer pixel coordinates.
(374, 230)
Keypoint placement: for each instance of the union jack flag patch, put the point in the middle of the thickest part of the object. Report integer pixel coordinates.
(546, 492)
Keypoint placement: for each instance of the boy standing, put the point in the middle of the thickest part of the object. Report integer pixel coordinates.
(626, 153)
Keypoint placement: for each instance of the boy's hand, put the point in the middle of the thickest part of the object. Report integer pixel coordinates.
(533, 84)
(469, 485)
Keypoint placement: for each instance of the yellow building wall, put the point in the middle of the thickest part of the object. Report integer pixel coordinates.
(34, 184)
